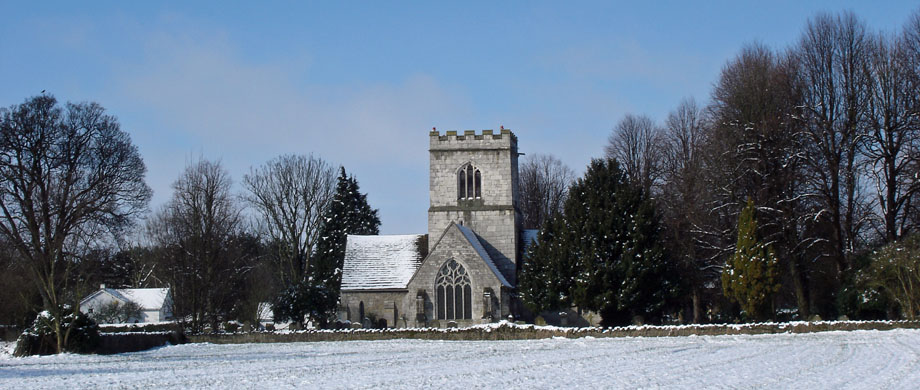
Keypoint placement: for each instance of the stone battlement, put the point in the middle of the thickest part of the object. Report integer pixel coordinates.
(490, 139)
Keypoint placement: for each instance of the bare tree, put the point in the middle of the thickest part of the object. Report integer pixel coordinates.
(910, 49)
(66, 177)
(116, 312)
(634, 144)
(291, 193)
(910, 42)
(544, 183)
(893, 141)
(758, 154)
(684, 198)
(833, 59)
(202, 250)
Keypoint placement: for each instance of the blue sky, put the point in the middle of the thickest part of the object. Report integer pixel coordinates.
(361, 83)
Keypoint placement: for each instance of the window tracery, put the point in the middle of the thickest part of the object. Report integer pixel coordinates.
(469, 182)
(453, 292)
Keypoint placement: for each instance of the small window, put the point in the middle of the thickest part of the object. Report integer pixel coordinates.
(478, 184)
(469, 182)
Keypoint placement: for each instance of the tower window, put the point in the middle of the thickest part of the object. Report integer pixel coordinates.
(454, 292)
(469, 182)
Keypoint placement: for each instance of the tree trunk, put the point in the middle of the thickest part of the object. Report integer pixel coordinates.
(697, 305)
(58, 335)
(801, 292)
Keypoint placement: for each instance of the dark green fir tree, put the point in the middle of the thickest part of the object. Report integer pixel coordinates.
(349, 213)
(602, 254)
(546, 277)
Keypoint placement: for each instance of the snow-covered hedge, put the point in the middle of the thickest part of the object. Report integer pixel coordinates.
(146, 327)
(9, 332)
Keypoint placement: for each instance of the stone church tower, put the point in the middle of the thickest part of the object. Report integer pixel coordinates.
(474, 183)
(464, 271)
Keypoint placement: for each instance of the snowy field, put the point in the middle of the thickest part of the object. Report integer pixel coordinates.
(858, 359)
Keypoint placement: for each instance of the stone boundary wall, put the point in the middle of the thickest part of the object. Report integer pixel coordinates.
(508, 331)
(112, 343)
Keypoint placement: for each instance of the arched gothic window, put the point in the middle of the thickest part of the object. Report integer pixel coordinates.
(469, 182)
(454, 292)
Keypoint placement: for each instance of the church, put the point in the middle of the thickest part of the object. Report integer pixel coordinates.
(464, 271)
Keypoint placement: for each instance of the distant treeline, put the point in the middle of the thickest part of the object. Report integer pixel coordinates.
(821, 138)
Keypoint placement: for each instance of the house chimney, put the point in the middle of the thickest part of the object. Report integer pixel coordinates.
(102, 286)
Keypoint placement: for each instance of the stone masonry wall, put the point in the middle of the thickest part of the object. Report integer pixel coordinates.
(454, 246)
(387, 305)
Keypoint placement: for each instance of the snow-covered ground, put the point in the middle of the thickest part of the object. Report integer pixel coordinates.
(6, 349)
(858, 359)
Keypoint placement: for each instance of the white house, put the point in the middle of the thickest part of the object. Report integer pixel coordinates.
(155, 303)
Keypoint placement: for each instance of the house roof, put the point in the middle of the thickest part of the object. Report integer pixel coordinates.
(380, 262)
(477, 245)
(146, 298)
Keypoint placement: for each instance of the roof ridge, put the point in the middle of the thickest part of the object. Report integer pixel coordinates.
(470, 236)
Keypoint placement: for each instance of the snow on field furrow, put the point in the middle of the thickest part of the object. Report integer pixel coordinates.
(900, 361)
(558, 358)
(862, 359)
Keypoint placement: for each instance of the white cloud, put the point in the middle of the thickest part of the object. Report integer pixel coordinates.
(197, 95)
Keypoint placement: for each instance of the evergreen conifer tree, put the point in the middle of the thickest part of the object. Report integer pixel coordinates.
(349, 213)
(603, 253)
(750, 277)
(545, 281)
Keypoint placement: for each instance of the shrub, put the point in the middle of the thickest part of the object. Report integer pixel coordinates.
(82, 335)
(895, 272)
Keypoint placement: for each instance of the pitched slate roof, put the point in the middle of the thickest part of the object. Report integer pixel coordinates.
(380, 262)
(146, 298)
(477, 245)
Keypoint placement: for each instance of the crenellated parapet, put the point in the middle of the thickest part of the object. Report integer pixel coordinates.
(470, 139)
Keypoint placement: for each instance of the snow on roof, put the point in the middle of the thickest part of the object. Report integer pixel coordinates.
(146, 298)
(529, 236)
(380, 262)
(265, 311)
(471, 237)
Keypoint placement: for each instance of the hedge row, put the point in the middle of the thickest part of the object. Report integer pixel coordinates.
(141, 327)
(108, 343)
(9, 332)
